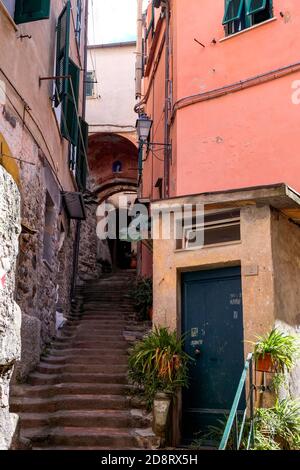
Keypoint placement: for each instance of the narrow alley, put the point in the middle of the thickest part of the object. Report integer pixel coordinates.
(149, 229)
(79, 397)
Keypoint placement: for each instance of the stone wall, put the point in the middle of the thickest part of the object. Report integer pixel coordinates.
(89, 263)
(286, 261)
(10, 314)
(42, 288)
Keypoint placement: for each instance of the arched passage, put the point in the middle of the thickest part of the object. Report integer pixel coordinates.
(113, 162)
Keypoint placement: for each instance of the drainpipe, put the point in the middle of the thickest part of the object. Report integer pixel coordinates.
(78, 222)
(167, 103)
(139, 51)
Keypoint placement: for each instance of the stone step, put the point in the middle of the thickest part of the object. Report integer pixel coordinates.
(80, 448)
(101, 342)
(108, 418)
(98, 350)
(78, 358)
(72, 388)
(37, 378)
(79, 345)
(68, 402)
(85, 437)
(81, 368)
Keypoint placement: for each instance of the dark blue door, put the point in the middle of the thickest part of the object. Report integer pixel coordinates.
(212, 319)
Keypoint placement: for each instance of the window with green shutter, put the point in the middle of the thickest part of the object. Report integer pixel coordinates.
(62, 53)
(78, 22)
(255, 5)
(69, 123)
(233, 10)
(31, 10)
(242, 14)
(82, 150)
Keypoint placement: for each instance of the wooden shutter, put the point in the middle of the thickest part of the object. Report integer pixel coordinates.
(233, 10)
(31, 10)
(81, 169)
(69, 123)
(62, 53)
(254, 6)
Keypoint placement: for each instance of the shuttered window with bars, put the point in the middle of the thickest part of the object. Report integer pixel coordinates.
(69, 124)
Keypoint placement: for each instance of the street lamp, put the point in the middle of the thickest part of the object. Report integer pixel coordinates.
(143, 127)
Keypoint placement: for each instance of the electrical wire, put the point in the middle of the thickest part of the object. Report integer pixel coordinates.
(31, 133)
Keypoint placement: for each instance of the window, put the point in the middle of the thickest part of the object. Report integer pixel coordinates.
(242, 14)
(78, 22)
(77, 155)
(219, 228)
(90, 84)
(66, 89)
(117, 167)
(69, 123)
(62, 53)
(81, 167)
(31, 10)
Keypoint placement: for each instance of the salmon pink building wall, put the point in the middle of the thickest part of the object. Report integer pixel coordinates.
(249, 137)
(246, 137)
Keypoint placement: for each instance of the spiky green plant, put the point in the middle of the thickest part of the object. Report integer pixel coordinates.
(283, 348)
(159, 364)
(280, 424)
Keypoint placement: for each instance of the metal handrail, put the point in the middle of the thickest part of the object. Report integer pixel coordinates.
(232, 425)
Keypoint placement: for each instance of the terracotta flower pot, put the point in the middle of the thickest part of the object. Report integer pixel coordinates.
(265, 364)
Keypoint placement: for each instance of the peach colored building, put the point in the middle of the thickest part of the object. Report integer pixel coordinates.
(221, 84)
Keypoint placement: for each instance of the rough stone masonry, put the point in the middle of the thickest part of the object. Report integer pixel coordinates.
(10, 314)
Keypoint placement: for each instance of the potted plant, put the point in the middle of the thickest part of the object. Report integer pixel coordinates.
(143, 297)
(159, 367)
(275, 352)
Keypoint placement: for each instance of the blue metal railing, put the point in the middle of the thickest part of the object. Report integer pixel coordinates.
(235, 427)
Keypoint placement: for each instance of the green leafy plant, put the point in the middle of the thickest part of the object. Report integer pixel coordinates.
(283, 349)
(159, 364)
(142, 293)
(279, 425)
(276, 428)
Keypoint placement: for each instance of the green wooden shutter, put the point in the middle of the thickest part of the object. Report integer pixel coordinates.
(69, 122)
(254, 6)
(62, 53)
(78, 22)
(31, 10)
(233, 10)
(81, 169)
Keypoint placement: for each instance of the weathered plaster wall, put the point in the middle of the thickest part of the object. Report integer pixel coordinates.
(89, 265)
(39, 52)
(37, 282)
(286, 256)
(10, 314)
(111, 107)
(254, 254)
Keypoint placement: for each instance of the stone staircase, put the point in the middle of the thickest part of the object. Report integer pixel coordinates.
(79, 397)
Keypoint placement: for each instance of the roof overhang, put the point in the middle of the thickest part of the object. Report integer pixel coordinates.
(280, 196)
(74, 205)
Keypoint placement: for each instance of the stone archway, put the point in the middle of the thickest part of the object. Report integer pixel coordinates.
(113, 160)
